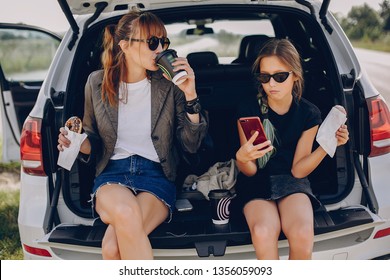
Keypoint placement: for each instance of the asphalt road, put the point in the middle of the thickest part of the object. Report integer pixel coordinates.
(377, 66)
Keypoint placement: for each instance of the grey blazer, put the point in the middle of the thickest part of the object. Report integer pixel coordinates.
(169, 124)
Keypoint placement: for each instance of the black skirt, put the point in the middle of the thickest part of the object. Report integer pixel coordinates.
(271, 187)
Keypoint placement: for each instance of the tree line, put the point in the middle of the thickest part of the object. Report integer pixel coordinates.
(365, 23)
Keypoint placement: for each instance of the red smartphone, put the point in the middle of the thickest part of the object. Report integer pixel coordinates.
(250, 125)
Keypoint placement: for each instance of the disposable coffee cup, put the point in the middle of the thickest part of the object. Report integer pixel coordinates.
(219, 204)
(164, 61)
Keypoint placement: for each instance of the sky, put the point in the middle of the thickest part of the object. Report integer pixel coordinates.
(48, 14)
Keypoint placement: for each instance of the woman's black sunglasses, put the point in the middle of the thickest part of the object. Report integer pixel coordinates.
(154, 41)
(279, 77)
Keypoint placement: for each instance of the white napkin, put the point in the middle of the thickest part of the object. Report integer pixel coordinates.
(67, 157)
(326, 135)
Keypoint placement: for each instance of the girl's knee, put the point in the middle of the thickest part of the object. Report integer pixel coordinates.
(301, 244)
(302, 234)
(264, 233)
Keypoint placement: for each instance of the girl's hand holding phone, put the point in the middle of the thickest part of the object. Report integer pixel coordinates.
(249, 151)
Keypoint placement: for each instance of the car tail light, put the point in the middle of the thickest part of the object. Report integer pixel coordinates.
(379, 126)
(31, 147)
(382, 233)
(36, 251)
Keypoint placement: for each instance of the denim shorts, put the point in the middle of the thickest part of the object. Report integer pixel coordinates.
(139, 175)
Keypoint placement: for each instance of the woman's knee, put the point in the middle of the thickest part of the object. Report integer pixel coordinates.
(115, 202)
(110, 247)
(122, 215)
(110, 251)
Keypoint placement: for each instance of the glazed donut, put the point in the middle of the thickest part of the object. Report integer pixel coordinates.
(74, 124)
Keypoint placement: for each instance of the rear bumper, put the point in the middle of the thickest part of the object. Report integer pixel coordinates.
(327, 247)
(351, 242)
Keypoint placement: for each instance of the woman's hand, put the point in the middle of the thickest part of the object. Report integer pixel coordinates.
(342, 135)
(249, 152)
(188, 86)
(63, 141)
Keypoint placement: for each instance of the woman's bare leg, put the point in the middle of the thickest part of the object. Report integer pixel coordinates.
(110, 249)
(154, 211)
(124, 212)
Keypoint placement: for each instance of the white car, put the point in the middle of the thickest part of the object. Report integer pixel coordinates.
(220, 40)
(25, 55)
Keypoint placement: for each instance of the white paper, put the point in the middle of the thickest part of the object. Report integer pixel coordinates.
(326, 135)
(67, 157)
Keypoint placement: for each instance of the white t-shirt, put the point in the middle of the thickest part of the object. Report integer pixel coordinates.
(134, 122)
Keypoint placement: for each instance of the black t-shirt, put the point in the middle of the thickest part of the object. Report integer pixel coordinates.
(289, 127)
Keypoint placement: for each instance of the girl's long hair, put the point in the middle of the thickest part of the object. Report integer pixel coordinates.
(288, 54)
(113, 58)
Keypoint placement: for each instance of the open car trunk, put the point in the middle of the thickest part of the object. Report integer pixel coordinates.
(195, 230)
(221, 87)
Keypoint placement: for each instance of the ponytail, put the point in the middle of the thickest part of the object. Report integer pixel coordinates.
(269, 129)
(112, 60)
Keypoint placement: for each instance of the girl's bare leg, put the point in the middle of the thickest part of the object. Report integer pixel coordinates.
(264, 223)
(298, 225)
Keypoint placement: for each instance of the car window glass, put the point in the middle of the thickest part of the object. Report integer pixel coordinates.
(26, 55)
(224, 40)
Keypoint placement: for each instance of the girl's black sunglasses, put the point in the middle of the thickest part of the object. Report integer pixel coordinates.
(279, 77)
(154, 41)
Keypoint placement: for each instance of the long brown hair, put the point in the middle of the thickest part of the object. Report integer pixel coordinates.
(113, 58)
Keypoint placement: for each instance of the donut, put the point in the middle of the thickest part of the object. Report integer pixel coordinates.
(74, 124)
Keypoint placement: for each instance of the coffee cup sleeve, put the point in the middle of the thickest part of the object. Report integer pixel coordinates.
(178, 78)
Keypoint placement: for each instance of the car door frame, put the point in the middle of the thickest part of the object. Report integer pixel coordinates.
(11, 121)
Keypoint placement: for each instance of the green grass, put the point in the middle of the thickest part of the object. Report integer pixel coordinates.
(372, 46)
(382, 44)
(13, 167)
(10, 247)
